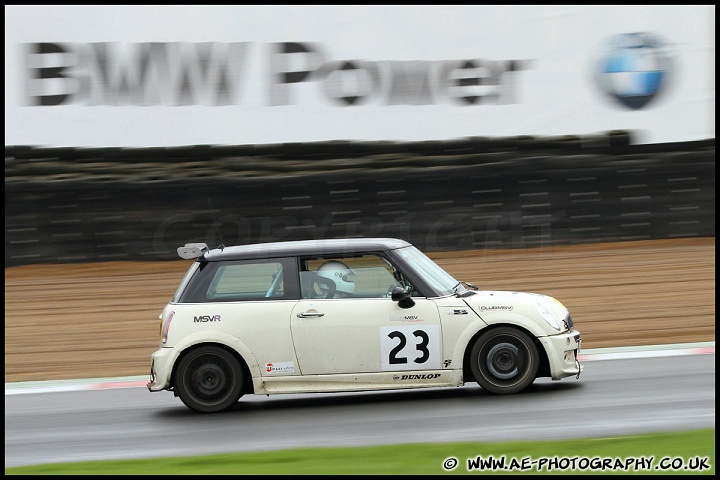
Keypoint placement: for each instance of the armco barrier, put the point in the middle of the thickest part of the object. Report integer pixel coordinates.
(89, 205)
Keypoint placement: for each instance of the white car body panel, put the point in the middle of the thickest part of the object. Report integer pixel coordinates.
(258, 330)
(350, 337)
(518, 308)
(358, 382)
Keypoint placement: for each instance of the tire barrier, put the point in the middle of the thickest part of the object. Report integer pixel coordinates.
(90, 205)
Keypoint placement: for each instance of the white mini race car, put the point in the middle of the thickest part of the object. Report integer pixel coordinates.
(343, 315)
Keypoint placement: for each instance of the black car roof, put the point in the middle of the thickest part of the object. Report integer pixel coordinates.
(332, 246)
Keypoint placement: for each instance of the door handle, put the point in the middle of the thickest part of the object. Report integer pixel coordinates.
(310, 314)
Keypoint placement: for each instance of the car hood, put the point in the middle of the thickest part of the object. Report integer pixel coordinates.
(501, 306)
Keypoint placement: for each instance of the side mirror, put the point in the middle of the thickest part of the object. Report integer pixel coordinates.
(403, 297)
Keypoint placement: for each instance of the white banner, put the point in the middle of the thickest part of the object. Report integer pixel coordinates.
(136, 76)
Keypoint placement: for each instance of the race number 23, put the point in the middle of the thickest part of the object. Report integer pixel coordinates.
(409, 347)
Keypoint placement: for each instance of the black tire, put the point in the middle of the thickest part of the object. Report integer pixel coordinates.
(504, 360)
(209, 379)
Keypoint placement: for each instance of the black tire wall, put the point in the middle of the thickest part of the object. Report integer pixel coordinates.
(77, 205)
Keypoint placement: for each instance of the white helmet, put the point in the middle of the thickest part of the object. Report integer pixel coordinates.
(340, 274)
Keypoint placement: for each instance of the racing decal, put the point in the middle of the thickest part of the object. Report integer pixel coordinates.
(410, 347)
(496, 308)
(456, 311)
(206, 318)
(280, 367)
(406, 318)
(429, 376)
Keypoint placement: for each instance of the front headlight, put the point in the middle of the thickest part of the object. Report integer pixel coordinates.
(547, 316)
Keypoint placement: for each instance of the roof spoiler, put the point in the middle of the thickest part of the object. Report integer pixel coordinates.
(192, 250)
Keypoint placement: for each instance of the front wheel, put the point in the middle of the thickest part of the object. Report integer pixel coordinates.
(504, 360)
(209, 379)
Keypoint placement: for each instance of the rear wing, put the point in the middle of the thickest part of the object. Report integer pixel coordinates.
(192, 250)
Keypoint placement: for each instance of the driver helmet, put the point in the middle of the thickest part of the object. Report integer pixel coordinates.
(340, 274)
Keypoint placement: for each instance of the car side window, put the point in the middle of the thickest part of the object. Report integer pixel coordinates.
(245, 280)
(366, 276)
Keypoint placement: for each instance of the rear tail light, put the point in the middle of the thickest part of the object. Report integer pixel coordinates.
(166, 328)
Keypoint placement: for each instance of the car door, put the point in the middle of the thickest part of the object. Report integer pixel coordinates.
(364, 331)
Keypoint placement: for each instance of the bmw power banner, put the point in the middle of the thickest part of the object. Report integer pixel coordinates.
(149, 75)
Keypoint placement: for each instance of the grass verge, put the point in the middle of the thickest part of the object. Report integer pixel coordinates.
(683, 453)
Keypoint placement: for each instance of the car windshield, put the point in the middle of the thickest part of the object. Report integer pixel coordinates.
(437, 278)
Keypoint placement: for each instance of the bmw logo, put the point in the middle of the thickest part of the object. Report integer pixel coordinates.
(633, 69)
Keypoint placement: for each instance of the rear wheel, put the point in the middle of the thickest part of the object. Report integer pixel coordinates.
(504, 360)
(209, 379)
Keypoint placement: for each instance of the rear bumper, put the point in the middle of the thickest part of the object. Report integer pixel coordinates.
(161, 369)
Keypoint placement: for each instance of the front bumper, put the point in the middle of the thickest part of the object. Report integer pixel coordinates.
(161, 369)
(563, 351)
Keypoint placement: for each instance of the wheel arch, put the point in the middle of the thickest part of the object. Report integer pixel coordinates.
(544, 364)
(230, 348)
